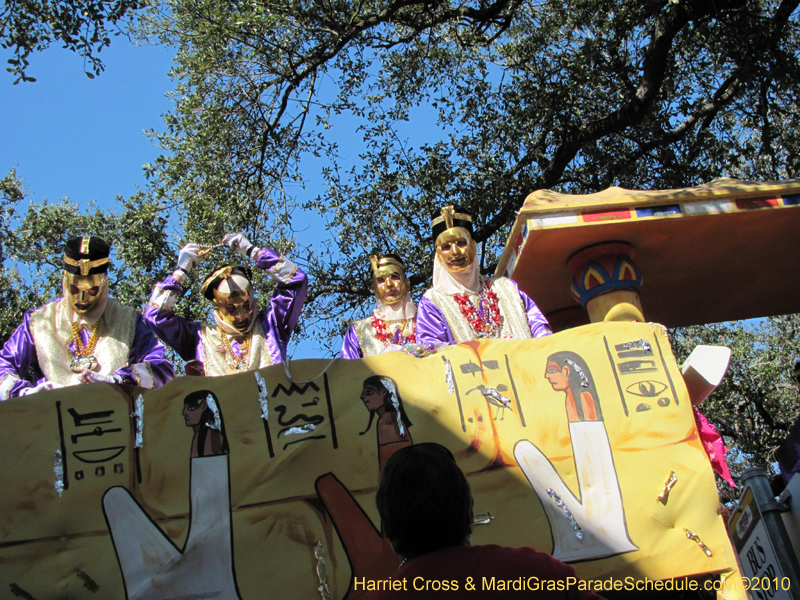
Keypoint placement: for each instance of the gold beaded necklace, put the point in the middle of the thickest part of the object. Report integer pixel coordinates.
(207, 248)
(84, 354)
(240, 359)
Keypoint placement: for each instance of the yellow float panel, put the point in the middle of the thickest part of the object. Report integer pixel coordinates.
(582, 444)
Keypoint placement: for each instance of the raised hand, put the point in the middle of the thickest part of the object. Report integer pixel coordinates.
(371, 555)
(237, 241)
(187, 258)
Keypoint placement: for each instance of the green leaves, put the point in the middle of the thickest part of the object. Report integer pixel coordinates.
(412, 104)
(79, 25)
(385, 109)
(758, 400)
(32, 241)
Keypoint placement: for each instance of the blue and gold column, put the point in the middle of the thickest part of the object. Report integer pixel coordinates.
(607, 282)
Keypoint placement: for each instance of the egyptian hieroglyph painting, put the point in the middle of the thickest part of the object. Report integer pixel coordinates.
(582, 444)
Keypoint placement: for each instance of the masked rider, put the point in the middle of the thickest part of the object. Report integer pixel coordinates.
(242, 337)
(463, 305)
(393, 322)
(84, 337)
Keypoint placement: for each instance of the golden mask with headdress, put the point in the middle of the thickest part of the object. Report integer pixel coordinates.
(455, 248)
(231, 293)
(85, 264)
(389, 280)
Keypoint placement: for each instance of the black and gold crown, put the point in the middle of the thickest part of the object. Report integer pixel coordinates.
(448, 217)
(86, 255)
(376, 262)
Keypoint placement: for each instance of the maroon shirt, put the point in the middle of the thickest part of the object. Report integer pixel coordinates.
(495, 572)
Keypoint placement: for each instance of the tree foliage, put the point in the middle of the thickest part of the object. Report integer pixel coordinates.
(388, 108)
(32, 241)
(395, 106)
(82, 26)
(758, 401)
(143, 251)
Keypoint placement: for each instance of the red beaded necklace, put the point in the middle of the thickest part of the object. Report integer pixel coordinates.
(482, 328)
(384, 336)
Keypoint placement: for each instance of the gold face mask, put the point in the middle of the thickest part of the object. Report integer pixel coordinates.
(233, 302)
(456, 249)
(84, 290)
(234, 308)
(390, 283)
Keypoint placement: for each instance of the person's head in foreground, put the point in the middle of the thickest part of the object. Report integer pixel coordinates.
(424, 501)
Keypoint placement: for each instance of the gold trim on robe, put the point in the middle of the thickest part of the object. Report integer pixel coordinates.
(143, 373)
(283, 270)
(6, 383)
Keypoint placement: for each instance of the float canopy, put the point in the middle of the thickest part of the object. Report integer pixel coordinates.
(722, 251)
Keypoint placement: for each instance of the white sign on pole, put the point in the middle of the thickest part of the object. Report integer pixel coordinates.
(761, 571)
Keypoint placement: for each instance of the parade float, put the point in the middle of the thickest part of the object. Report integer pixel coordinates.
(582, 444)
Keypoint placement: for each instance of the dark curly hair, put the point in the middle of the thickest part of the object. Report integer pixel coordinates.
(424, 500)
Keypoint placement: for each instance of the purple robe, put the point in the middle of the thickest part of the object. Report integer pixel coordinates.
(18, 357)
(277, 320)
(351, 347)
(432, 325)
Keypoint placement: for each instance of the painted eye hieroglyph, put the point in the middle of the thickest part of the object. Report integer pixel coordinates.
(646, 389)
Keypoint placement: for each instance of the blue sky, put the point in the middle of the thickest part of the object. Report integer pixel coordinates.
(71, 136)
(68, 135)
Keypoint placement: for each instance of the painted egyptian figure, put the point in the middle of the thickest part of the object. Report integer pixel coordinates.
(201, 412)
(381, 398)
(596, 507)
(567, 372)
